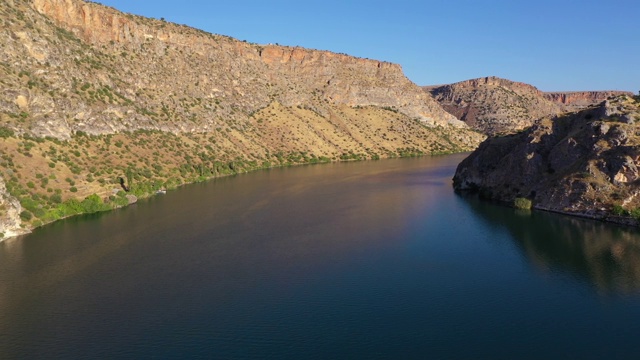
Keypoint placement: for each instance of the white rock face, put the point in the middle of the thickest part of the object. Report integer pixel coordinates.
(10, 210)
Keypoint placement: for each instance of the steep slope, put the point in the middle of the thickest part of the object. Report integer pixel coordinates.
(585, 163)
(493, 105)
(92, 95)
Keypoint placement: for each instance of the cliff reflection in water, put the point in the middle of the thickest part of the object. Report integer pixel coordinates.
(605, 255)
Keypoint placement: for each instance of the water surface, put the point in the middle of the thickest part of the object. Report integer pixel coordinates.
(359, 260)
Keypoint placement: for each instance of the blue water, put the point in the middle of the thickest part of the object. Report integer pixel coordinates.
(371, 260)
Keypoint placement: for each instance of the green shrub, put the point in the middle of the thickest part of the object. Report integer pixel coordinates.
(26, 215)
(121, 201)
(39, 212)
(56, 198)
(522, 203)
(69, 207)
(5, 132)
(619, 210)
(93, 204)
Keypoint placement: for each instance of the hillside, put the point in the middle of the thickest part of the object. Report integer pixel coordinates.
(92, 96)
(584, 163)
(493, 105)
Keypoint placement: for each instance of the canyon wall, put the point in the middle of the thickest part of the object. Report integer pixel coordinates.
(91, 96)
(165, 58)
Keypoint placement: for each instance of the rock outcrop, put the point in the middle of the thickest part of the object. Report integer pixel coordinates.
(10, 210)
(493, 105)
(585, 163)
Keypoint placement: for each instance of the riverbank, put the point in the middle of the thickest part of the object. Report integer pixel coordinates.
(30, 211)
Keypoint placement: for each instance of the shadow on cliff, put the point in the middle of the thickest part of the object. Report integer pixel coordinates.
(604, 255)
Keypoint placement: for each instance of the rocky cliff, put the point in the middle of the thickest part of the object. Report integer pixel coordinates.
(92, 95)
(576, 100)
(585, 163)
(150, 66)
(10, 210)
(493, 105)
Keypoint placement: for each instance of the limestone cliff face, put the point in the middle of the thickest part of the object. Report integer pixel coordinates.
(152, 62)
(585, 163)
(10, 210)
(342, 79)
(575, 100)
(493, 105)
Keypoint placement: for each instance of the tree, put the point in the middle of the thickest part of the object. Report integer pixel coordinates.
(129, 174)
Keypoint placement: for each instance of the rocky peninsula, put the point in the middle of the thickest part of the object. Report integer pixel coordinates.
(585, 163)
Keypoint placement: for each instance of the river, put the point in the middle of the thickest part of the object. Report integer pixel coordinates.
(372, 260)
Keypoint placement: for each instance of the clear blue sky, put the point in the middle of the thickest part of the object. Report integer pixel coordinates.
(552, 44)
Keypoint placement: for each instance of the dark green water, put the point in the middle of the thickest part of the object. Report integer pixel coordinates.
(362, 260)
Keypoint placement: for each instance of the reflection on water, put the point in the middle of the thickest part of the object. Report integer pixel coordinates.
(360, 260)
(605, 255)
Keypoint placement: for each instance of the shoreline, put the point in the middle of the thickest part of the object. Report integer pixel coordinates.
(602, 216)
(12, 234)
(595, 215)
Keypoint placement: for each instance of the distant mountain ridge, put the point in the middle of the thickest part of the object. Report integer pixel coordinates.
(494, 105)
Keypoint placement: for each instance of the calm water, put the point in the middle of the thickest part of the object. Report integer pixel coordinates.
(362, 260)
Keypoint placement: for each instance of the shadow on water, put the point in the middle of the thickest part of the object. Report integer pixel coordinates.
(604, 255)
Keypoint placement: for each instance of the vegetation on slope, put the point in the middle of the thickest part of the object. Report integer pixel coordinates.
(54, 178)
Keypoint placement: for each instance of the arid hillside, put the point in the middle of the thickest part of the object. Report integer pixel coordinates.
(96, 102)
